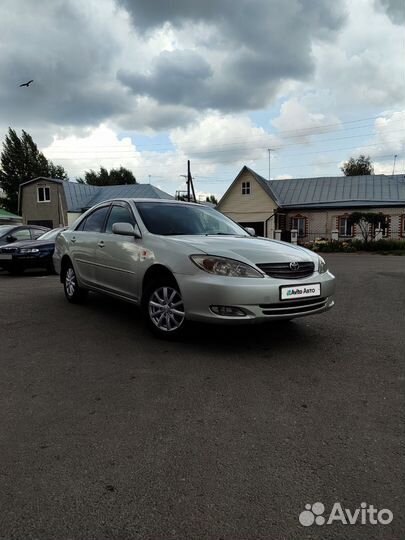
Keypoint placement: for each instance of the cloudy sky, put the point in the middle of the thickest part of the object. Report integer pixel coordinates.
(148, 84)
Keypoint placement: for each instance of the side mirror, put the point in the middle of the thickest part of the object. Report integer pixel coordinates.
(125, 229)
(251, 231)
(10, 238)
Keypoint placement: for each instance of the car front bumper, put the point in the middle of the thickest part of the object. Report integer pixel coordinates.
(258, 298)
(27, 260)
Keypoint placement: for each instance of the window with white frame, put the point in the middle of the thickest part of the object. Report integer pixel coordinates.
(43, 194)
(299, 223)
(245, 188)
(383, 224)
(345, 226)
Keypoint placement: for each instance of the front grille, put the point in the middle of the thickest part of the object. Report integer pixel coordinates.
(295, 307)
(8, 250)
(284, 271)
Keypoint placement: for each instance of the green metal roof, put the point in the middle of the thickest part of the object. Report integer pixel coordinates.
(4, 214)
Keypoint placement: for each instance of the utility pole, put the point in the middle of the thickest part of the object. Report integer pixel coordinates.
(269, 150)
(395, 160)
(149, 176)
(190, 185)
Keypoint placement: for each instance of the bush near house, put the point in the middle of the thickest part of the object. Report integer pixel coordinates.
(351, 246)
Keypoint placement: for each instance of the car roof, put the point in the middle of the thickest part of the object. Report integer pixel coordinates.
(151, 199)
(22, 226)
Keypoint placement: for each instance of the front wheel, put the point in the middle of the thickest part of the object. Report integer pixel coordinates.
(164, 310)
(73, 292)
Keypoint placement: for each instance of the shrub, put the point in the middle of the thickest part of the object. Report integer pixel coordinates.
(350, 246)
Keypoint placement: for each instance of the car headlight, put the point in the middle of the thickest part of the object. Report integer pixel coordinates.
(29, 250)
(322, 266)
(220, 266)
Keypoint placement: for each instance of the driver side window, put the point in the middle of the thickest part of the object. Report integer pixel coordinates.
(119, 214)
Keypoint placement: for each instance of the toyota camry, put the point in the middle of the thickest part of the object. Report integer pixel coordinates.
(184, 262)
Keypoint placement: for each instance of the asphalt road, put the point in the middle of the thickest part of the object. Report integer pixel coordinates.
(108, 433)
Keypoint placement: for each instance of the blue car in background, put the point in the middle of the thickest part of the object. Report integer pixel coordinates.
(18, 256)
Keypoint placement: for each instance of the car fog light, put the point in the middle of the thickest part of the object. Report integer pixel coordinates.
(228, 311)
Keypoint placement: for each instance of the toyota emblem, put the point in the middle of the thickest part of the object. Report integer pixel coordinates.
(294, 266)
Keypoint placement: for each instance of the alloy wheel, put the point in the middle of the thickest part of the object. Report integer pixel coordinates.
(166, 309)
(70, 282)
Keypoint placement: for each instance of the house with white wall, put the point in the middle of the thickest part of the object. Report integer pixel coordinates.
(315, 207)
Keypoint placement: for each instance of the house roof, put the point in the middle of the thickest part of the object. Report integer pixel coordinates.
(80, 197)
(335, 191)
(5, 215)
(131, 191)
(77, 195)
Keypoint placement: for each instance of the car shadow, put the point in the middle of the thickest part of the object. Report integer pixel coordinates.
(126, 319)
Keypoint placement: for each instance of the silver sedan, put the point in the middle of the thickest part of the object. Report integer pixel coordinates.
(185, 262)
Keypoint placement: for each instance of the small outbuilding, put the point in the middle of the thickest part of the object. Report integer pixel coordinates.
(52, 203)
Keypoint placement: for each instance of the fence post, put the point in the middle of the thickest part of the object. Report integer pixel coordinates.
(277, 234)
(335, 235)
(294, 236)
(378, 234)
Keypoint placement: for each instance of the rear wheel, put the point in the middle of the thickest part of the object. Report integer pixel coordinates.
(164, 309)
(73, 292)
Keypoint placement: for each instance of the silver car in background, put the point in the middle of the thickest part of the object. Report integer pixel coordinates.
(187, 262)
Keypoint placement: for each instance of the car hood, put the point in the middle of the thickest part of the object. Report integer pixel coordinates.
(256, 250)
(29, 244)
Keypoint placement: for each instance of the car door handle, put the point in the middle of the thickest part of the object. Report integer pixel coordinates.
(101, 243)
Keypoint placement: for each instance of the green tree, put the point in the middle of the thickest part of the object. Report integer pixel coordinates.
(358, 166)
(21, 161)
(115, 177)
(212, 199)
(368, 222)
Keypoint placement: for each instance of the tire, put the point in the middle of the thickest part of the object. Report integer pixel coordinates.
(163, 309)
(73, 293)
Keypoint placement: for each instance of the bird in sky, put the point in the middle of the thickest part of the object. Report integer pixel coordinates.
(27, 83)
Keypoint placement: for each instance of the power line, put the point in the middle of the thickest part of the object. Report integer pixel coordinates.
(117, 157)
(298, 132)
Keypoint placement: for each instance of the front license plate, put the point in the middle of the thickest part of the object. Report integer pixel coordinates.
(4, 257)
(295, 292)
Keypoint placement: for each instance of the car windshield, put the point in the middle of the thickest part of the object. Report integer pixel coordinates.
(50, 235)
(180, 219)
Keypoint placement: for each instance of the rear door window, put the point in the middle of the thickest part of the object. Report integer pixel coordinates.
(22, 234)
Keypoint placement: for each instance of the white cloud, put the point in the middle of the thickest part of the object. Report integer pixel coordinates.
(222, 139)
(364, 66)
(388, 141)
(101, 147)
(298, 122)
